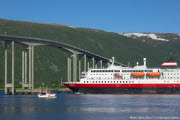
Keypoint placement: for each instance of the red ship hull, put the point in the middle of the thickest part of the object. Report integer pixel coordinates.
(125, 88)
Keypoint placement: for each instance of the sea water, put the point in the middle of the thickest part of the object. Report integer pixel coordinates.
(90, 107)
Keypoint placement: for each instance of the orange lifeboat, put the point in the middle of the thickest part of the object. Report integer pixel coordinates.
(118, 76)
(155, 74)
(138, 74)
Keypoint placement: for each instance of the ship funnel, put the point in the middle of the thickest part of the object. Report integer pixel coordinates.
(144, 62)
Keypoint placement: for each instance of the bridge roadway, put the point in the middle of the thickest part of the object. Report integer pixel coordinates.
(29, 44)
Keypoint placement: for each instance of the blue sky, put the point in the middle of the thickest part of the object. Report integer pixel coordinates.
(110, 15)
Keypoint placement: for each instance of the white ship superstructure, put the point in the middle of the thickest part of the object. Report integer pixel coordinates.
(139, 79)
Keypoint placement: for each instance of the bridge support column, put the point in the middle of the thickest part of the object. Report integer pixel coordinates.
(68, 69)
(93, 62)
(25, 83)
(88, 64)
(79, 67)
(84, 63)
(5, 86)
(108, 64)
(30, 66)
(22, 69)
(96, 62)
(12, 67)
(75, 67)
(25, 66)
(101, 64)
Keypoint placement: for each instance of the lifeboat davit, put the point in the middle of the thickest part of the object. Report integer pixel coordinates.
(118, 76)
(154, 74)
(138, 74)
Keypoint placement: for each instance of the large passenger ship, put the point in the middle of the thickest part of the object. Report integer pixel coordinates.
(128, 80)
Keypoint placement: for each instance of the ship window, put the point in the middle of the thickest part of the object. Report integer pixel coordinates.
(105, 81)
(117, 81)
(123, 81)
(93, 81)
(126, 81)
(129, 81)
(102, 81)
(114, 81)
(96, 81)
(99, 81)
(87, 81)
(84, 81)
(108, 81)
(111, 81)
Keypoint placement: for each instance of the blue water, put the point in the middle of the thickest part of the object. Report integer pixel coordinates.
(89, 107)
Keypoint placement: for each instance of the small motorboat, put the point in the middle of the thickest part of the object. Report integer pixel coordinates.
(45, 94)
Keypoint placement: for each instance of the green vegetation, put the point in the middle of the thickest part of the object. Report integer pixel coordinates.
(51, 63)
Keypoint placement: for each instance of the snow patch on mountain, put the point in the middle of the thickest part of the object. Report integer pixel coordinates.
(149, 35)
(72, 26)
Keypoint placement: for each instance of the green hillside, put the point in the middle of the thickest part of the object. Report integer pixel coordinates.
(50, 63)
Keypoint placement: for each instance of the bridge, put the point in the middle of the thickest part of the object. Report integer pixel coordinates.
(75, 54)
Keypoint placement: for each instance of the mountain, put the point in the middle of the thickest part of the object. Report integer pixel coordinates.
(51, 63)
